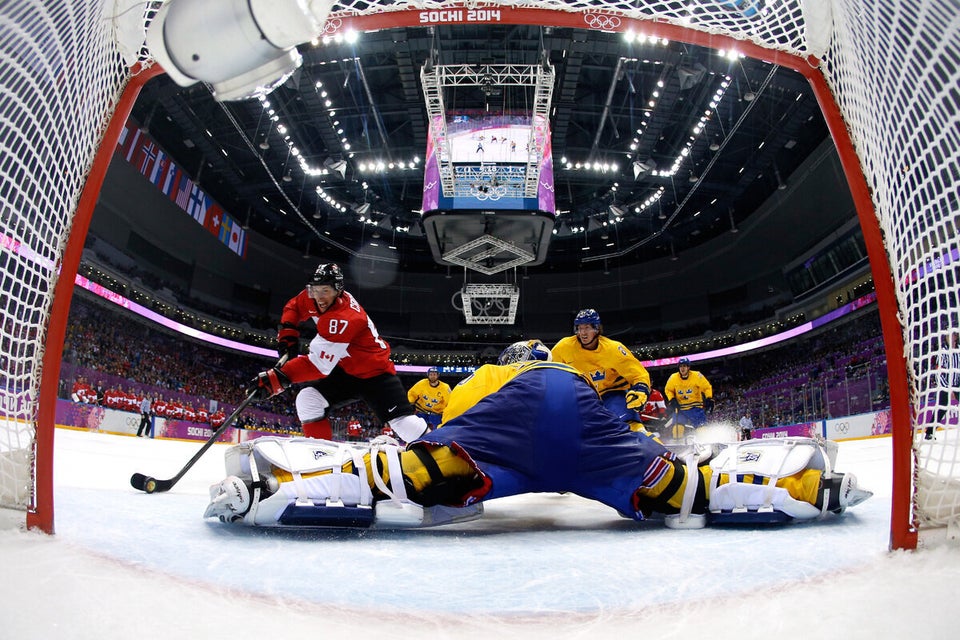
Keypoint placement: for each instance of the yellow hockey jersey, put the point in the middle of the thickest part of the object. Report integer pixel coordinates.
(429, 399)
(488, 379)
(611, 366)
(689, 393)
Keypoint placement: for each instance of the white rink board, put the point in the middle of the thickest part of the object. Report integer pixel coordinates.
(862, 425)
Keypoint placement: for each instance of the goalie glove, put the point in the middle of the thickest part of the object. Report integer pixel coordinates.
(708, 405)
(637, 396)
(268, 384)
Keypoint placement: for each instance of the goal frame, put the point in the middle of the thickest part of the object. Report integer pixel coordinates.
(903, 533)
(40, 515)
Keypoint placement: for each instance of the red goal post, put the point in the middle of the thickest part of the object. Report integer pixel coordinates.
(885, 75)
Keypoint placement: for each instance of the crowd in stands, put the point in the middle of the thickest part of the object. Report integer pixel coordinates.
(113, 359)
(840, 370)
(170, 299)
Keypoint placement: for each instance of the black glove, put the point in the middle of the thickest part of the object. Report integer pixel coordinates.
(673, 406)
(288, 345)
(268, 384)
(708, 405)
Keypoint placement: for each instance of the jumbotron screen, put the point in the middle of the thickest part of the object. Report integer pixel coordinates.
(489, 155)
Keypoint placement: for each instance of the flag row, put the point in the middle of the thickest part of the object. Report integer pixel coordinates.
(140, 150)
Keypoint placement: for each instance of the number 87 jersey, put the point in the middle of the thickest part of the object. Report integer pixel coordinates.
(346, 336)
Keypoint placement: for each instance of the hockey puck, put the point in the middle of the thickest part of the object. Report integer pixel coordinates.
(150, 485)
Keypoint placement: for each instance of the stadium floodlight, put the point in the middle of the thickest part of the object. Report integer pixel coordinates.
(243, 48)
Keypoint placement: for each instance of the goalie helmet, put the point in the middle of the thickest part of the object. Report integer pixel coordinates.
(328, 273)
(523, 351)
(587, 316)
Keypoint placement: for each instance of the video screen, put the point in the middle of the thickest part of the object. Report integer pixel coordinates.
(489, 155)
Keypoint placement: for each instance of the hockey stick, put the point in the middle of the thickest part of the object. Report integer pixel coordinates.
(152, 485)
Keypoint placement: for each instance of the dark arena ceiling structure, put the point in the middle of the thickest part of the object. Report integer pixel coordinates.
(657, 146)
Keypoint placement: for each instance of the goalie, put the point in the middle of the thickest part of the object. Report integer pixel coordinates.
(527, 425)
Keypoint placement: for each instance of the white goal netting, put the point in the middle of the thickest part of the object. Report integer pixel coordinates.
(893, 67)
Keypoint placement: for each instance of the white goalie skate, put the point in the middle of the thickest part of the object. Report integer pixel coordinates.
(300, 482)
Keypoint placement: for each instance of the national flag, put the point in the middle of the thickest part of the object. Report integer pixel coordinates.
(226, 226)
(215, 216)
(132, 144)
(170, 179)
(146, 156)
(183, 191)
(123, 135)
(158, 170)
(197, 206)
(238, 239)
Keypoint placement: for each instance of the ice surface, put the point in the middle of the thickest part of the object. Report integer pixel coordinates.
(125, 564)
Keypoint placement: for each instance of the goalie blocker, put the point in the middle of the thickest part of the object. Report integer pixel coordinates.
(304, 482)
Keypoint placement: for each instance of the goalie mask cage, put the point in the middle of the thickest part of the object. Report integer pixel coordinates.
(886, 74)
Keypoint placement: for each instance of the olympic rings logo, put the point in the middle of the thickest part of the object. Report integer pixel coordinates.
(601, 21)
(491, 193)
(332, 26)
(842, 427)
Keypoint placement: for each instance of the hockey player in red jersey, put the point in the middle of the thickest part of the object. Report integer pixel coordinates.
(347, 360)
(654, 412)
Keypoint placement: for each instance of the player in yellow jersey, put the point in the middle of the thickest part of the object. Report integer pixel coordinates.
(689, 398)
(623, 382)
(429, 397)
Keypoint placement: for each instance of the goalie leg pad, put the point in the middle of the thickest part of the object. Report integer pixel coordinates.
(748, 500)
(303, 482)
(769, 461)
(773, 457)
(307, 473)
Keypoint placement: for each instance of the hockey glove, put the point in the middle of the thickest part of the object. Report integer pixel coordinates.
(288, 345)
(708, 405)
(673, 406)
(268, 384)
(637, 396)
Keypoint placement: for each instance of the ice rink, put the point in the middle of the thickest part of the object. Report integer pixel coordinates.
(124, 564)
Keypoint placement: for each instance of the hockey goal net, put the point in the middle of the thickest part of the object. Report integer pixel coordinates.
(885, 73)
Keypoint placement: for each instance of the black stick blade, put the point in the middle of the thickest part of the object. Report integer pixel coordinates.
(149, 485)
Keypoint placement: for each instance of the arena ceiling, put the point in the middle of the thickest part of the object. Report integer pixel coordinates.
(679, 142)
